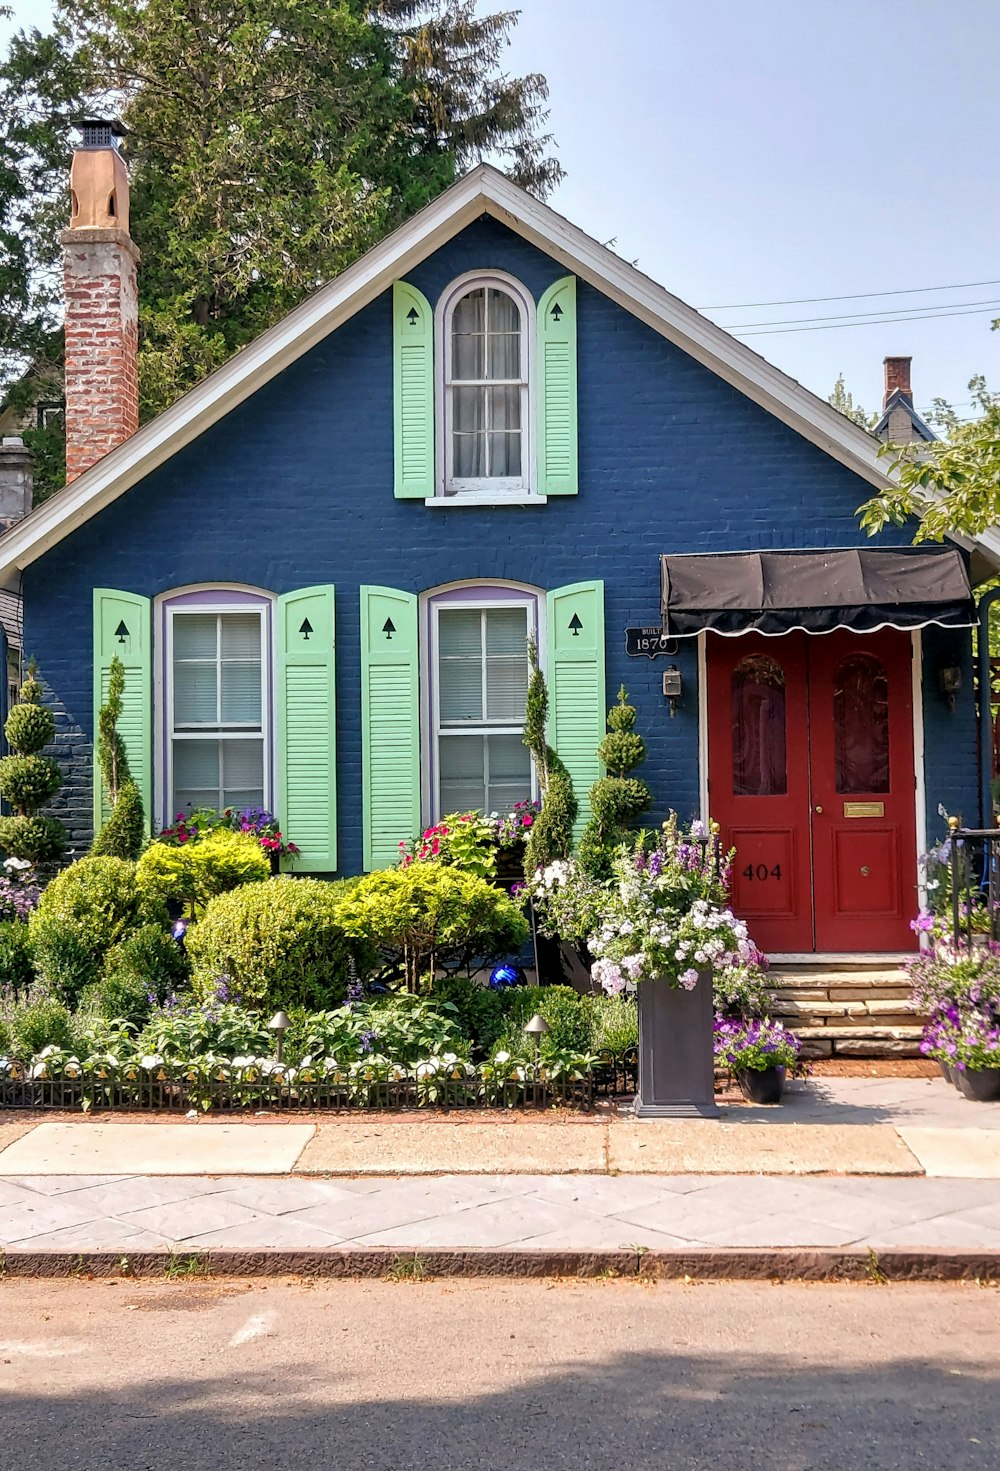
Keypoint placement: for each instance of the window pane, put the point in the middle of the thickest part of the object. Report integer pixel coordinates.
(504, 408)
(242, 774)
(509, 772)
(861, 725)
(461, 690)
(462, 785)
(195, 636)
(507, 631)
(505, 454)
(467, 339)
(196, 775)
(241, 636)
(241, 694)
(468, 437)
(504, 341)
(195, 694)
(460, 632)
(758, 714)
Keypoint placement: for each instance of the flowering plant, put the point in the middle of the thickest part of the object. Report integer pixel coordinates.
(513, 827)
(665, 915)
(755, 1044)
(568, 902)
(18, 895)
(462, 839)
(964, 1036)
(257, 821)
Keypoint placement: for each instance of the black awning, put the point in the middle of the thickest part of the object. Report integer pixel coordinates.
(773, 592)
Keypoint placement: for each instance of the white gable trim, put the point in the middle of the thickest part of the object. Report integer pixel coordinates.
(484, 190)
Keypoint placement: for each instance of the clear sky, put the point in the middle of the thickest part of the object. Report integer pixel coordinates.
(746, 153)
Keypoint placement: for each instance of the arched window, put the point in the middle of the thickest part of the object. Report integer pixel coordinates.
(758, 714)
(486, 328)
(861, 724)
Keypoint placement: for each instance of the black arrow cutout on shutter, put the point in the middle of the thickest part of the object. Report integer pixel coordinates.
(575, 625)
(413, 316)
(556, 311)
(121, 632)
(388, 628)
(306, 628)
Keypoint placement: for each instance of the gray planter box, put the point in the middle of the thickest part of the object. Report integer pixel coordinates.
(676, 1062)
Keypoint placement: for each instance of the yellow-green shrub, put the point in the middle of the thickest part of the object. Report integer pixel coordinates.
(191, 874)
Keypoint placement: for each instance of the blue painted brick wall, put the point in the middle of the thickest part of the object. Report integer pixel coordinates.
(295, 488)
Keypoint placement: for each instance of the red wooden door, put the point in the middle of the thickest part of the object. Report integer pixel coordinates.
(758, 754)
(863, 818)
(811, 778)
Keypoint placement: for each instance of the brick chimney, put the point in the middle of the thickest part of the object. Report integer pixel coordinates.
(897, 375)
(102, 317)
(898, 399)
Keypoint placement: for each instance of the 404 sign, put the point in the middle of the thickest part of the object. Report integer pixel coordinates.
(648, 642)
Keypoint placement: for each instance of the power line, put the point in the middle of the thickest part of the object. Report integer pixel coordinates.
(938, 309)
(737, 306)
(833, 326)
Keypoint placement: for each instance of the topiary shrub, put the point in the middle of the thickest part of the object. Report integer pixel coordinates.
(17, 967)
(192, 874)
(430, 915)
(151, 958)
(28, 779)
(124, 833)
(617, 799)
(551, 834)
(280, 943)
(85, 910)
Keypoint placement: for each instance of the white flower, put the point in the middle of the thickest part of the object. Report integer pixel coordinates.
(502, 1057)
(449, 1058)
(17, 865)
(688, 979)
(151, 1060)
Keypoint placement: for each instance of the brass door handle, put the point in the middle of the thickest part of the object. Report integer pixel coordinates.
(817, 809)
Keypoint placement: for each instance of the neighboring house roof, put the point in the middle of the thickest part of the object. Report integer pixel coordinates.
(483, 191)
(11, 617)
(899, 400)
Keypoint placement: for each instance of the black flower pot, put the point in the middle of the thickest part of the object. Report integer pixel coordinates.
(981, 1085)
(676, 1060)
(761, 1085)
(947, 1072)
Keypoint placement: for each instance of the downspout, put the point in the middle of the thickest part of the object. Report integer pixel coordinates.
(985, 710)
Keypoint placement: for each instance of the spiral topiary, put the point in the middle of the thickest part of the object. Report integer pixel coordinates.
(551, 834)
(28, 779)
(617, 799)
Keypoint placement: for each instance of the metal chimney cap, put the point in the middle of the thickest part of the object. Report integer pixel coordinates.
(100, 132)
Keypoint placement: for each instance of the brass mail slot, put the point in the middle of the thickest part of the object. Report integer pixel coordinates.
(864, 809)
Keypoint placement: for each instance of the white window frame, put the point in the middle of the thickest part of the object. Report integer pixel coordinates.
(166, 728)
(484, 490)
(533, 602)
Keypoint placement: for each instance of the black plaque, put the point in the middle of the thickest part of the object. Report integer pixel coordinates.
(646, 643)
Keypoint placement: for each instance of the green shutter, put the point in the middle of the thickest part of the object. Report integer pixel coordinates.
(306, 707)
(575, 676)
(412, 392)
(123, 626)
(390, 723)
(556, 369)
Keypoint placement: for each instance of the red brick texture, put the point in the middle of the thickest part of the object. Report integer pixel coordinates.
(897, 375)
(102, 341)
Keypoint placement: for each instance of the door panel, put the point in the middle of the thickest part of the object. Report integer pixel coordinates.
(863, 786)
(759, 781)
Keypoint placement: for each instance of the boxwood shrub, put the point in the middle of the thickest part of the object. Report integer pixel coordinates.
(279, 944)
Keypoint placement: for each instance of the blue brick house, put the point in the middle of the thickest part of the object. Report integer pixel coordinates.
(322, 565)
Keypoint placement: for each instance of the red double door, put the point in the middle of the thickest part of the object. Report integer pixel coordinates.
(811, 778)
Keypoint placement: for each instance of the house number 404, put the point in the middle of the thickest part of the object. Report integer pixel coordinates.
(761, 871)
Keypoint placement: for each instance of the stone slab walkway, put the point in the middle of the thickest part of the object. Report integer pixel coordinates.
(571, 1213)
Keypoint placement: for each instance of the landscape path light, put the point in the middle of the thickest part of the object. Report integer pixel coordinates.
(279, 1025)
(537, 1028)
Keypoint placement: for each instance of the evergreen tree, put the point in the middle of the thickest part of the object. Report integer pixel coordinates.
(272, 142)
(123, 834)
(617, 799)
(551, 834)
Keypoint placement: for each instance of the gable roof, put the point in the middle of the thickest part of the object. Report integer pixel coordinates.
(483, 191)
(898, 399)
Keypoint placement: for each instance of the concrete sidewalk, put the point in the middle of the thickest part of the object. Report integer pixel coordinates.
(573, 1214)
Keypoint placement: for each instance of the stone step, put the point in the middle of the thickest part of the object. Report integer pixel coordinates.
(874, 1033)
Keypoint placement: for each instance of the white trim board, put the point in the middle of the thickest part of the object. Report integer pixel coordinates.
(482, 191)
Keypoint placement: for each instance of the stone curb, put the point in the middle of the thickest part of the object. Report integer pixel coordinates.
(769, 1264)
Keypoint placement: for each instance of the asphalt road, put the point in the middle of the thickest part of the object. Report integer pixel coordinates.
(203, 1376)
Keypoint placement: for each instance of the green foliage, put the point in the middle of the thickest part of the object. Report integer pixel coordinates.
(17, 968)
(271, 143)
(124, 833)
(193, 874)
(28, 779)
(183, 1033)
(279, 943)
(617, 799)
(466, 840)
(843, 401)
(431, 914)
(153, 959)
(951, 484)
(569, 1023)
(614, 1023)
(112, 756)
(32, 1020)
(551, 834)
(480, 1012)
(85, 910)
(400, 1029)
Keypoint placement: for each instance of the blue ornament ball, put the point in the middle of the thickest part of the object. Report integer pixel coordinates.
(507, 975)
